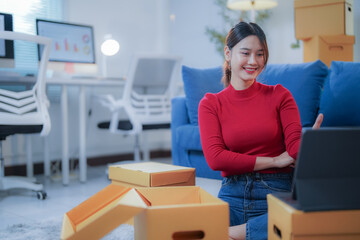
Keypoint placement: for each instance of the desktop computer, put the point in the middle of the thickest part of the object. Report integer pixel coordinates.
(72, 51)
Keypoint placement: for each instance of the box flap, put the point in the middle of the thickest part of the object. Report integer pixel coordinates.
(338, 39)
(312, 3)
(133, 199)
(105, 210)
(95, 203)
(147, 202)
(173, 200)
(206, 197)
(67, 229)
(171, 195)
(173, 177)
(103, 224)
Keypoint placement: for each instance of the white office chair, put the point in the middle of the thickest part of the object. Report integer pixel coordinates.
(146, 99)
(25, 112)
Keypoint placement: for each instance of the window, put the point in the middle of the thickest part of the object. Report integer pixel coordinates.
(24, 14)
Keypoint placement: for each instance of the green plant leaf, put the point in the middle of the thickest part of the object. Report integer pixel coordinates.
(230, 19)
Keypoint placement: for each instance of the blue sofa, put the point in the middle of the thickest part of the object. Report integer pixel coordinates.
(333, 91)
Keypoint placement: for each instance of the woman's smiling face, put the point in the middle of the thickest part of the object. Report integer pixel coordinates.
(246, 59)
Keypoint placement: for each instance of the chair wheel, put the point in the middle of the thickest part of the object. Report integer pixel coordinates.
(41, 195)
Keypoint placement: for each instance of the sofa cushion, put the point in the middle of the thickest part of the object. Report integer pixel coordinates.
(197, 82)
(188, 137)
(340, 102)
(304, 81)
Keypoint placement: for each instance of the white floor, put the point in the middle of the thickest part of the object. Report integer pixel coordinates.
(19, 206)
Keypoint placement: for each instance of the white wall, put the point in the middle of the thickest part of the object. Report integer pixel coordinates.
(280, 33)
(187, 34)
(144, 26)
(139, 26)
(192, 16)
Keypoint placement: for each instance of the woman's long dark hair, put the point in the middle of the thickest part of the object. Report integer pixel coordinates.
(238, 33)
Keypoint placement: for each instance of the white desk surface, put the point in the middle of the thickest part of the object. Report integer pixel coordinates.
(95, 81)
(66, 80)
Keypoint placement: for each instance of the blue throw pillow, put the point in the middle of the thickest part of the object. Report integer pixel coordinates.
(197, 82)
(304, 81)
(340, 102)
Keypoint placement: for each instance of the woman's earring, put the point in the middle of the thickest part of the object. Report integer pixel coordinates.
(229, 63)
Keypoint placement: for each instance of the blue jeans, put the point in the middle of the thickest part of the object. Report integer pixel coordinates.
(246, 195)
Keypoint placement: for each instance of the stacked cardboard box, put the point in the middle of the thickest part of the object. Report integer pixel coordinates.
(151, 174)
(186, 212)
(288, 223)
(326, 28)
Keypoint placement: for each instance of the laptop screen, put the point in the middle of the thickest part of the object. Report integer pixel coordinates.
(327, 173)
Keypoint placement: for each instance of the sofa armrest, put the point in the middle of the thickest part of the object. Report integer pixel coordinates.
(179, 112)
(188, 137)
(179, 117)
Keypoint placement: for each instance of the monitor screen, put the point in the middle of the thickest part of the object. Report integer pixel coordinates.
(72, 43)
(6, 46)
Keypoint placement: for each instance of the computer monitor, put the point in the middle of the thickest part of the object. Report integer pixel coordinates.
(73, 48)
(6, 46)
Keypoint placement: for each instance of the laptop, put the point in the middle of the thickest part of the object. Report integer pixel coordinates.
(327, 172)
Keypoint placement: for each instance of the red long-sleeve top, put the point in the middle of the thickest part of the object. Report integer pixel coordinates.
(238, 126)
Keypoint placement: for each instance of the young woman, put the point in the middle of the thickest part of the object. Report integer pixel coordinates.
(250, 132)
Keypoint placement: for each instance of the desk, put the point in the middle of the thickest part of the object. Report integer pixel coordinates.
(81, 82)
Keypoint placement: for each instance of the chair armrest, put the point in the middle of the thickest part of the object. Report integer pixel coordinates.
(114, 107)
(109, 102)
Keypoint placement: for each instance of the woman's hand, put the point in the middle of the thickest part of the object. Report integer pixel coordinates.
(318, 121)
(284, 160)
(237, 232)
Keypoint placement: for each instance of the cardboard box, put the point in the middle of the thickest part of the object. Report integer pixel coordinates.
(323, 17)
(285, 222)
(186, 212)
(329, 48)
(151, 174)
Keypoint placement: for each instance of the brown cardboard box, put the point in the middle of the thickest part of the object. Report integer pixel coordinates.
(329, 48)
(323, 17)
(186, 212)
(285, 222)
(151, 174)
